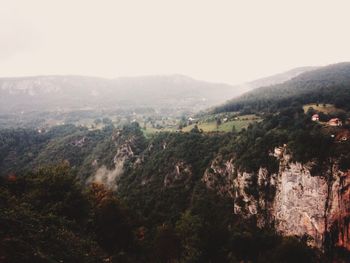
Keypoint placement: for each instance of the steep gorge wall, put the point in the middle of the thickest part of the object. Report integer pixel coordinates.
(300, 202)
(338, 211)
(293, 200)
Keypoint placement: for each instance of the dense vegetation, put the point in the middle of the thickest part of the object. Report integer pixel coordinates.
(48, 217)
(156, 215)
(23, 149)
(306, 140)
(171, 215)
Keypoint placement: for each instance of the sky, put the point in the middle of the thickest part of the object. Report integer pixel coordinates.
(223, 41)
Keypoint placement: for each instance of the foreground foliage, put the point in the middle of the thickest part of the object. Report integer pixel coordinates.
(48, 217)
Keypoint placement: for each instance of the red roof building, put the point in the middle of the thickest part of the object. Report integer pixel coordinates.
(335, 122)
(343, 136)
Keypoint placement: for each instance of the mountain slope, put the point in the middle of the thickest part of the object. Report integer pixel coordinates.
(329, 84)
(274, 79)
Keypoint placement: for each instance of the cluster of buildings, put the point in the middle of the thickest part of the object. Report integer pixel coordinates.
(343, 135)
(335, 122)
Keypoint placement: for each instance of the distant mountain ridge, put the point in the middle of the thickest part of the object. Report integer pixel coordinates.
(71, 92)
(76, 92)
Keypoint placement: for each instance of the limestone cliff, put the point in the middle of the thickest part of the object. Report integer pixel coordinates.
(299, 206)
(124, 153)
(182, 172)
(338, 211)
(293, 200)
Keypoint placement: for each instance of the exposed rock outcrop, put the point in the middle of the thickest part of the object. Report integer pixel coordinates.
(299, 205)
(338, 211)
(220, 177)
(182, 172)
(293, 200)
(124, 153)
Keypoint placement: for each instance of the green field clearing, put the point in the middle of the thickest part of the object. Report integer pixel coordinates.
(225, 127)
(240, 123)
(208, 125)
(325, 108)
(150, 131)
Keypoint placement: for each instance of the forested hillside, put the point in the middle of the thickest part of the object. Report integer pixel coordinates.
(23, 149)
(330, 84)
(161, 211)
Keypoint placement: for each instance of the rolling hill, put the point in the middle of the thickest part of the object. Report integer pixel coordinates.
(329, 84)
(274, 79)
(48, 93)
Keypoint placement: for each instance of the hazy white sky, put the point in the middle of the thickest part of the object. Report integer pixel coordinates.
(227, 41)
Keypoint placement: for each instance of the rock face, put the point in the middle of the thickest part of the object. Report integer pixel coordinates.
(293, 200)
(318, 206)
(182, 172)
(124, 153)
(220, 177)
(299, 205)
(338, 211)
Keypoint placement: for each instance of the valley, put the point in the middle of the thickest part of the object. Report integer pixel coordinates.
(263, 177)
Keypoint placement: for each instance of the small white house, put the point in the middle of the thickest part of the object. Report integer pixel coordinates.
(315, 117)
